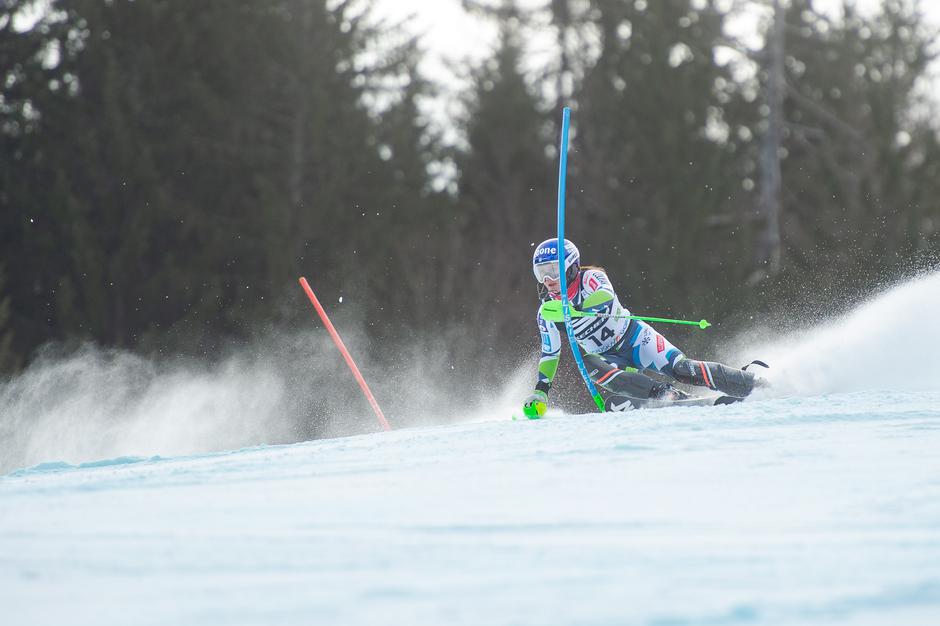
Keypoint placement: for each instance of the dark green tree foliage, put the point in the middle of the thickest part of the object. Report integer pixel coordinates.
(178, 164)
(8, 358)
(856, 199)
(655, 169)
(29, 242)
(168, 168)
(321, 177)
(507, 197)
(411, 264)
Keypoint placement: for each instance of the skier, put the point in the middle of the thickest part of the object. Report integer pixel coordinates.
(614, 347)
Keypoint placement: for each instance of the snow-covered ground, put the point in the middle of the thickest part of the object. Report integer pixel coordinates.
(813, 508)
(787, 511)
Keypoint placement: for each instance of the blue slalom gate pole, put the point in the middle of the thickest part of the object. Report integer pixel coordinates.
(565, 305)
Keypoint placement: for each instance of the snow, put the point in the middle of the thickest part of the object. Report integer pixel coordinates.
(785, 509)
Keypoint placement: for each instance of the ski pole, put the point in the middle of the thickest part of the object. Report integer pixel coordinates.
(551, 312)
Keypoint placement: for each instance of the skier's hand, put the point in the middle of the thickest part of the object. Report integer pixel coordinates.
(534, 406)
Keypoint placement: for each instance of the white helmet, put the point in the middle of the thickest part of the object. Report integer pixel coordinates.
(545, 261)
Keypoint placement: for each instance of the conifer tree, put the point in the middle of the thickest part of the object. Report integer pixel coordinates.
(507, 190)
(856, 201)
(657, 151)
(8, 358)
(195, 159)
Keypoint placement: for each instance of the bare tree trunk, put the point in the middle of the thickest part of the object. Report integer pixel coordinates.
(298, 153)
(768, 250)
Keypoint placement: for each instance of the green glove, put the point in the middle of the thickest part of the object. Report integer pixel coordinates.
(534, 406)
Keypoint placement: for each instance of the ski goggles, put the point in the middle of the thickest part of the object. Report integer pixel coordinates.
(545, 271)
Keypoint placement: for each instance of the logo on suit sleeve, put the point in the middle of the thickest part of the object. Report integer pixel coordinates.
(596, 280)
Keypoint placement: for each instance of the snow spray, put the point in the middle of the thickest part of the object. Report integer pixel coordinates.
(346, 356)
(890, 342)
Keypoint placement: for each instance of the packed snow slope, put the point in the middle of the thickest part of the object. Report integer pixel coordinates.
(786, 511)
(791, 508)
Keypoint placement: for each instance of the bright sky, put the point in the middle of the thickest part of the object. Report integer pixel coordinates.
(451, 36)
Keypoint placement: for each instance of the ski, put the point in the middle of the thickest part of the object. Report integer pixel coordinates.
(622, 404)
(615, 403)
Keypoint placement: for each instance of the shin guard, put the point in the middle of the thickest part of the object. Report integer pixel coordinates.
(727, 380)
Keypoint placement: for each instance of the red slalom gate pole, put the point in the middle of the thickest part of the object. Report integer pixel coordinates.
(345, 353)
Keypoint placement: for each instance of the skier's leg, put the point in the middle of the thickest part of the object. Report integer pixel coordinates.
(622, 381)
(728, 380)
(644, 348)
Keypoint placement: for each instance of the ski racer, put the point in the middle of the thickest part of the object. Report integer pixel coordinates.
(614, 347)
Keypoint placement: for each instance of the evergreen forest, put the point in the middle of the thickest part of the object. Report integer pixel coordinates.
(169, 168)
